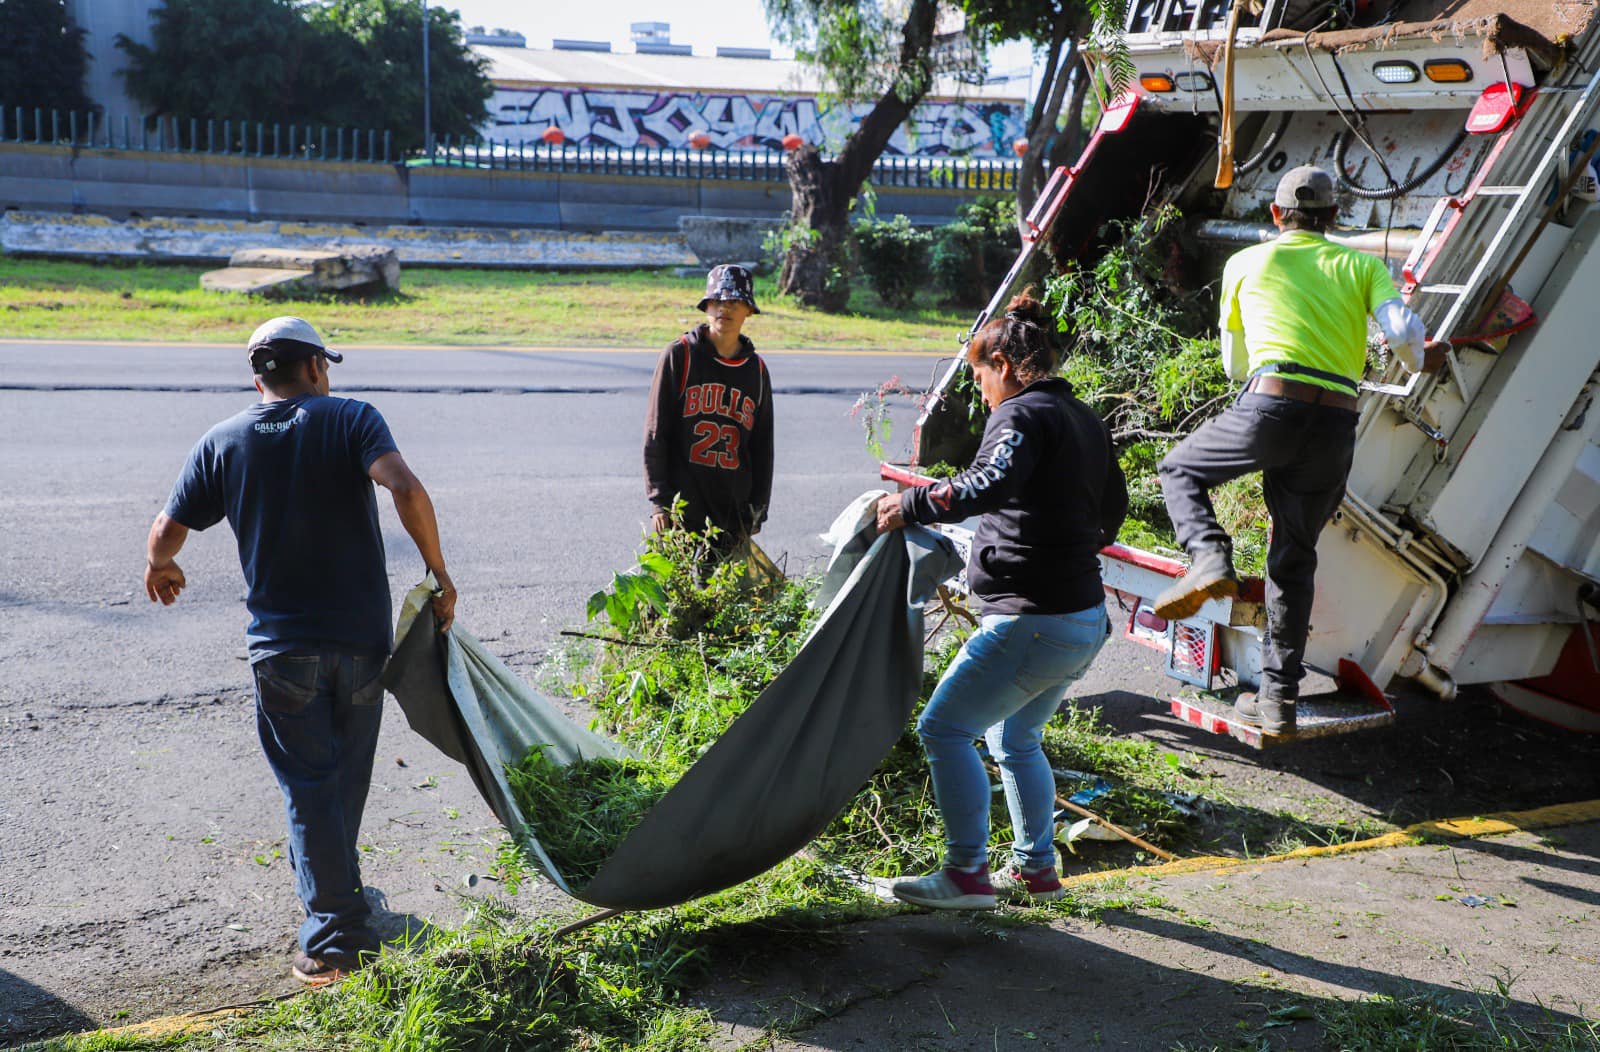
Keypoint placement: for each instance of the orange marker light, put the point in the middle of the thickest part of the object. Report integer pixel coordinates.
(1155, 82)
(1447, 71)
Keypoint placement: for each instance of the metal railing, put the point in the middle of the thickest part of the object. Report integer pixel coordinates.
(314, 143)
(228, 138)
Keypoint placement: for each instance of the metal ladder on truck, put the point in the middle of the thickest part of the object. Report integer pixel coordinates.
(1464, 259)
(1508, 218)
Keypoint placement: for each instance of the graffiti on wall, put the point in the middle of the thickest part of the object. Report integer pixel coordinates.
(595, 117)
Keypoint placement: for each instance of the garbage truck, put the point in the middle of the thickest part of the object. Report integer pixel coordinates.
(1462, 135)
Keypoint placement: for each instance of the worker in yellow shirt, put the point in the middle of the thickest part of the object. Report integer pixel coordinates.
(1294, 328)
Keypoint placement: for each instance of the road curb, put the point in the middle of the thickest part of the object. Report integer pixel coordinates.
(499, 348)
(1474, 827)
(1497, 824)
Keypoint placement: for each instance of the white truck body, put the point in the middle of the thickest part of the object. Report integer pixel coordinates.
(1467, 550)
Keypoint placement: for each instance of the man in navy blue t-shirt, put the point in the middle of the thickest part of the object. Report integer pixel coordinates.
(293, 476)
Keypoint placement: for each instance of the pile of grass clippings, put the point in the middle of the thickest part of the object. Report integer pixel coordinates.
(580, 812)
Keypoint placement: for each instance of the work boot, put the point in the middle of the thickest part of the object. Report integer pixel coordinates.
(1210, 576)
(1272, 715)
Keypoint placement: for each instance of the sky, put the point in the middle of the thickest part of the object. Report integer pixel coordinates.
(701, 23)
(731, 23)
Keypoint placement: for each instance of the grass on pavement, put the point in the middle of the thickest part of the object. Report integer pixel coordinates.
(49, 299)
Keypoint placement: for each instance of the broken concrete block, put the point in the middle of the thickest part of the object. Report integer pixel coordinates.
(346, 268)
(259, 281)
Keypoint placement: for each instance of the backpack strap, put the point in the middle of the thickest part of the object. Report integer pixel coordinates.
(683, 367)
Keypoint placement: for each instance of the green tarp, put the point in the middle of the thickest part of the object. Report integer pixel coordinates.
(762, 791)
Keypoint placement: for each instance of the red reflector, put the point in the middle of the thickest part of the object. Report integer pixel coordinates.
(1495, 108)
(1116, 116)
(1146, 618)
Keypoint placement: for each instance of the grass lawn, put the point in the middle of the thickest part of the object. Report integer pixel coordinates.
(49, 299)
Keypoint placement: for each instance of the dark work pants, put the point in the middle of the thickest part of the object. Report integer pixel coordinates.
(1303, 452)
(318, 716)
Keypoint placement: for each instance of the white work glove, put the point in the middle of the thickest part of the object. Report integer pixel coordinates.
(1404, 332)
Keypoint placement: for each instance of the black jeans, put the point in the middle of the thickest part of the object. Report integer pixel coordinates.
(1303, 452)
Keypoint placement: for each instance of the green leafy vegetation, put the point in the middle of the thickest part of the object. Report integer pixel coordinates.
(343, 63)
(972, 254)
(893, 255)
(1142, 355)
(596, 802)
(1432, 1023)
(44, 60)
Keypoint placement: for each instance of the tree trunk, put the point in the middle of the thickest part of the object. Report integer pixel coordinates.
(816, 266)
(1047, 149)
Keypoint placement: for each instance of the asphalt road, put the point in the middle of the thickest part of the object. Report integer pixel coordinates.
(141, 866)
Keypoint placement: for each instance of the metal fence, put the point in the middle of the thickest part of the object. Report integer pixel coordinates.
(314, 143)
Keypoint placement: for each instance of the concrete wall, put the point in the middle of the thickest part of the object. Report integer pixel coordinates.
(61, 235)
(132, 183)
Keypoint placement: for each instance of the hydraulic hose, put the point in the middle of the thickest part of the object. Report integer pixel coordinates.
(1255, 161)
(1389, 192)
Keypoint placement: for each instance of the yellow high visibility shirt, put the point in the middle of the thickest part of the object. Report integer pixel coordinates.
(1305, 300)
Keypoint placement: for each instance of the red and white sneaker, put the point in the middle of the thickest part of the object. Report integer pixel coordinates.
(1038, 885)
(949, 889)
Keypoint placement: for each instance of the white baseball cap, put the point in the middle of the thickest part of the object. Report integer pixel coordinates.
(284, 340)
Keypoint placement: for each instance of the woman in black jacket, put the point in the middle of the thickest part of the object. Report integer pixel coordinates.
(1050, 494)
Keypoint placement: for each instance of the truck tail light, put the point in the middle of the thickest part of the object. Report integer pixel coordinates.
(1447, 71)
(1193, 81)
(1395, 72)
(1496, 106)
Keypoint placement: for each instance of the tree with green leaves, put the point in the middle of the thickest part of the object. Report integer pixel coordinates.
(226, 59)
(42, 59)
(376, 68)
(1065, 31)
(862, 54)
(345, 63)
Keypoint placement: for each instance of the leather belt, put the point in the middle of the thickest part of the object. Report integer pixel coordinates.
(1281, 388)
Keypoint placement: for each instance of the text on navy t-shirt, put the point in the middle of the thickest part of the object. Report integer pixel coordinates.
(291, 479)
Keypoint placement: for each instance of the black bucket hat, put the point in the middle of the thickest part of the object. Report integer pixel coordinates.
(729, 281)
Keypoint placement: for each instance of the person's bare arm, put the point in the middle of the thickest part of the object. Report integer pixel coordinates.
(415, 508)
(163, 579)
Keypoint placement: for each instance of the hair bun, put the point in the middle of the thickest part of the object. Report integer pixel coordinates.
(1024, 307)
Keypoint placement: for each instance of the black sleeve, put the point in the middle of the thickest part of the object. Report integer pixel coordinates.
(1011, 448)
(659, 423)
(761, 453)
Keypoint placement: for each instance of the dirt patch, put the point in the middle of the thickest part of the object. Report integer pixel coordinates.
(1246, 959)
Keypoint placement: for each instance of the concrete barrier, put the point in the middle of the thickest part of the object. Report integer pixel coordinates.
(134, 184)
(212, 240)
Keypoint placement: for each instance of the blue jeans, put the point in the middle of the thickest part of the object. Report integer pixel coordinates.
(318, 716)
(1009, 679)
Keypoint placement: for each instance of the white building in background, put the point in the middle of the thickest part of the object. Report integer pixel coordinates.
(660, 94)
(102, 21)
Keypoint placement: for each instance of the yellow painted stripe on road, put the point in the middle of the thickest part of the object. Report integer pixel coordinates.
(174, 1025)
(804, 352)
(1461, 828)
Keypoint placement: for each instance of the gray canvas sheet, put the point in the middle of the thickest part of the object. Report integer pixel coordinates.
(768, 786)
